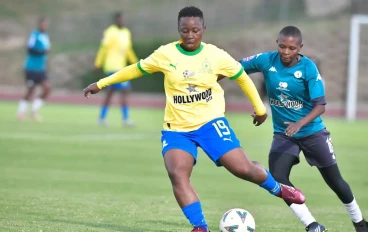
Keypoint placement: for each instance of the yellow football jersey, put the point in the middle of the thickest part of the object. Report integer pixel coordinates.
(193, 95)
(115, 50)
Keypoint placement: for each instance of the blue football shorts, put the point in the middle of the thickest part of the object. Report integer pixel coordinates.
(121, 85)
(215, 138)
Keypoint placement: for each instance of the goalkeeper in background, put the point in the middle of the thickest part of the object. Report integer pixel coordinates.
(114, 53)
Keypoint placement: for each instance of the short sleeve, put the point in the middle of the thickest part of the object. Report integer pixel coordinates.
(228, 66)
(255, 63)
(152, 63)
(315, 82)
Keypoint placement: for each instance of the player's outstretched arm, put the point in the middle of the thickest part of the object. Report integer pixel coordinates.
(126, 74)
(250, 90)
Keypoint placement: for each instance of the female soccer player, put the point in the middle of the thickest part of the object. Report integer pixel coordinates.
(35, 67)
(194, 114)
(297, 99)
(114, 53)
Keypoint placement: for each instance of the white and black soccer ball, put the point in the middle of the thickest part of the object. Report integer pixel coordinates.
(237, 220)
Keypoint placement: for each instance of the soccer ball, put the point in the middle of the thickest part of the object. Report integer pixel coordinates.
(237, 220)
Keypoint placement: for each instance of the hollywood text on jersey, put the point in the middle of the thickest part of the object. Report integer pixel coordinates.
(195, 97)
(296, 104)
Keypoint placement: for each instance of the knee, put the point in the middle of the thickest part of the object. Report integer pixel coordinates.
(177, 177)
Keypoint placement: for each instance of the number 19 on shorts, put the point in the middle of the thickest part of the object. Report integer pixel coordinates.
(221, 128)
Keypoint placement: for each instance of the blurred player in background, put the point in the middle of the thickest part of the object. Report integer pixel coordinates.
(36, 71)
(296, 95)
(114, 53)
(194, 113)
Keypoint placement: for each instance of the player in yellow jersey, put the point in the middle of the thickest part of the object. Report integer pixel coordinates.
(194, 114)
(114, 53)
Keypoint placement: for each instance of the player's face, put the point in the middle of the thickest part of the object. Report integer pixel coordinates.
(42, 25)
(191, 30)
(288, 48)
(119, 21)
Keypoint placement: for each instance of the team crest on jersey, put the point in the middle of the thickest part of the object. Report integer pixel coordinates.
(188, 74)
(298, 74)
(206, 67)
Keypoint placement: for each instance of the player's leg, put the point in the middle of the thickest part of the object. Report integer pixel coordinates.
(284, 154)
(219, 142)
(23, 103)
(105, 105)
(40, 101)
(335, 181)
(124, 103)
(180, 154)
(319, 152)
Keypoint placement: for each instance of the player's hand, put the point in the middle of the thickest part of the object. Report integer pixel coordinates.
(259, 120)
(292, 129)
(92, 88)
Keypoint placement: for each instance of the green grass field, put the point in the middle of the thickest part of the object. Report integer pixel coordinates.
(69, 174)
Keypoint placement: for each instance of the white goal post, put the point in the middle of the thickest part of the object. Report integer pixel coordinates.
(353, 73)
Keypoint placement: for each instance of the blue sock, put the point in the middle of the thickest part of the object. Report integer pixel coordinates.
(103, 113)
(195, 215)
(125, 112)
(271, 185)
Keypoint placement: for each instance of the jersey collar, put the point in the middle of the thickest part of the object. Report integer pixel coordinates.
(188, 53)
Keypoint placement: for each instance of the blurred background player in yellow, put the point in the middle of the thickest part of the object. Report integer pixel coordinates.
(114, 53)
(35, 68)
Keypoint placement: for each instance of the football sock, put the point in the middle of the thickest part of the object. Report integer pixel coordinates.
(37, 104)
(354, 211)
(271, 185)
(23, 105)
(103, 113)
(194, 214)
(125, 112)
(302, 212)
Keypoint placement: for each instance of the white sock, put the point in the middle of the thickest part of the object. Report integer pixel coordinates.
(37, 104)
(354, 211)
(302, 212)
(23, 105)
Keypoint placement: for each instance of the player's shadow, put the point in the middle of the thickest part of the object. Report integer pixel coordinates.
(112, 227)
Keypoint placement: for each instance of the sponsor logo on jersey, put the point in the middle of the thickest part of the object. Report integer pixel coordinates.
(290, 104)
(188, 74)
(319, 78)
(194, 96)
(248, 58)
(283, 86)
(272, 69)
